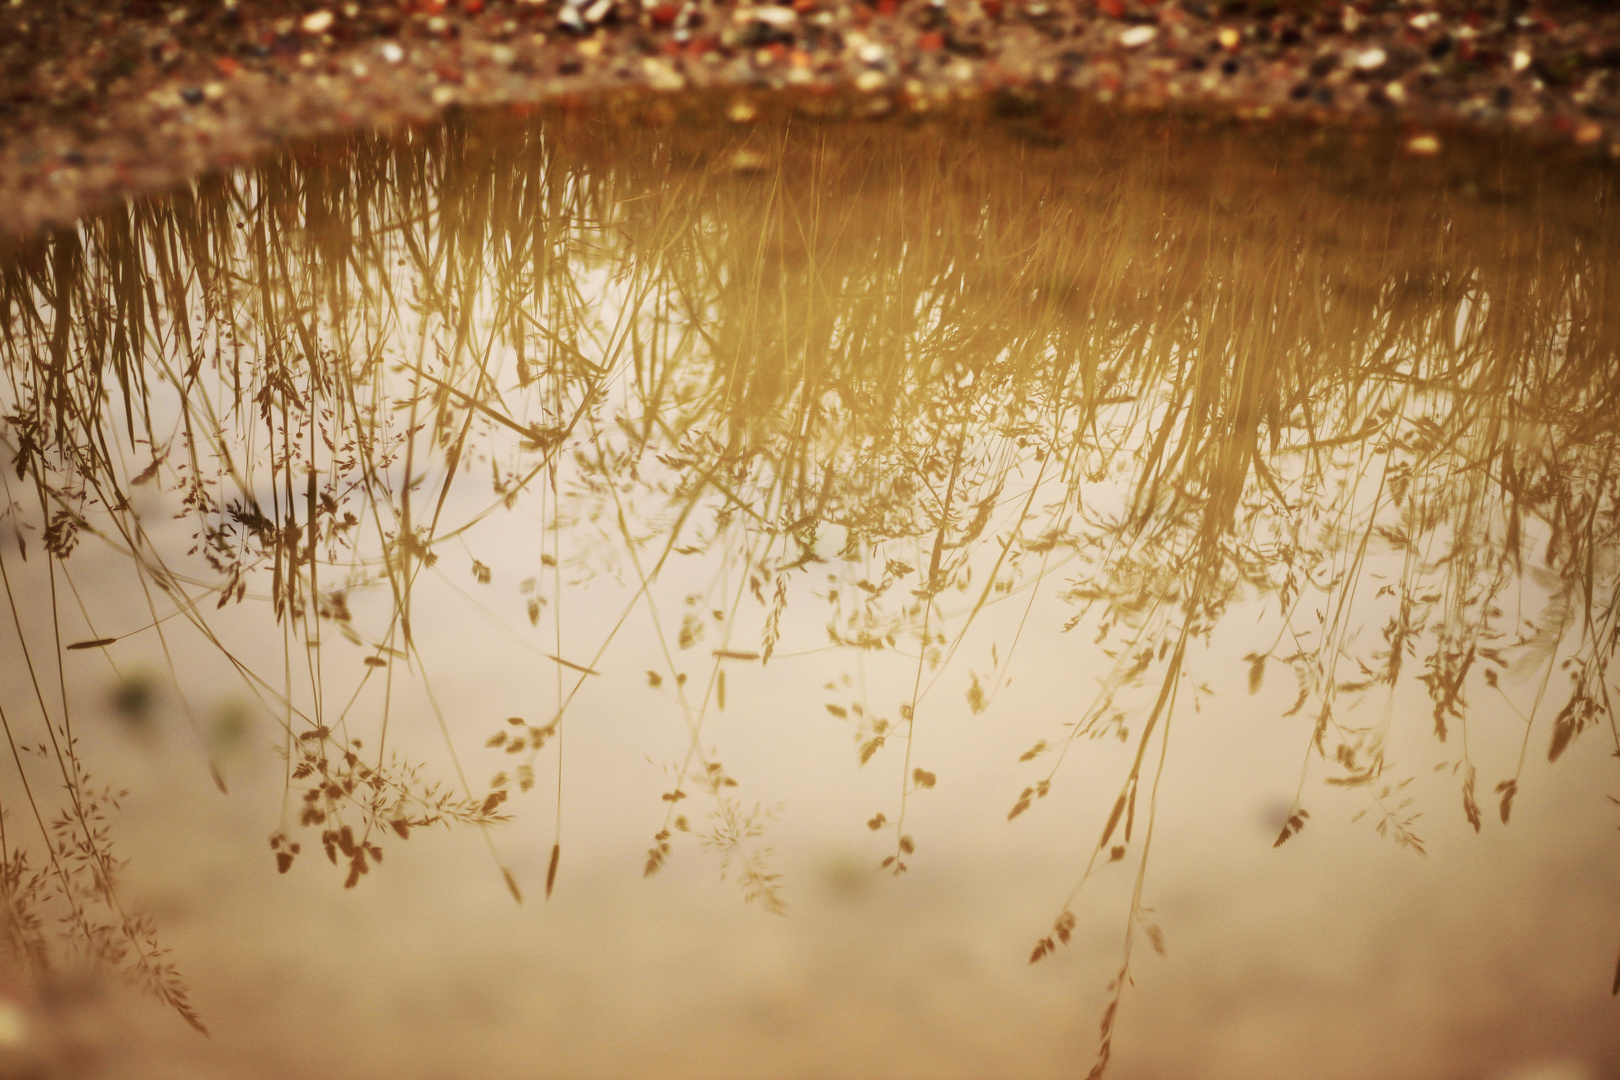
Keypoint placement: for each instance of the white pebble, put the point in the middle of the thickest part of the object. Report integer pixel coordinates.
(660, 76)
(1138, 35)
(777, 18)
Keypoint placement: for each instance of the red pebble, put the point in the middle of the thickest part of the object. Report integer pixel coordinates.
(472, 7)
(227, 65)
(1114, 9)
(991, 8)
(888, 7)
(932, 41)
(664, 15)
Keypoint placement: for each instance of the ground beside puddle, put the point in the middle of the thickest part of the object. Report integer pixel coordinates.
(99, 99)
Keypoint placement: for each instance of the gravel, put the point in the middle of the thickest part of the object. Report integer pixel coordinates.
(101, 99)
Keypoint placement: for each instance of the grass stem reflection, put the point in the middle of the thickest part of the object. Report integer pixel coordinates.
(864, 393)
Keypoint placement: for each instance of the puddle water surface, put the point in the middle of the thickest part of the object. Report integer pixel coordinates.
(835, 562)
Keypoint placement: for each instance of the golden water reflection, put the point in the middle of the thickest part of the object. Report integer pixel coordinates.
(915, 548)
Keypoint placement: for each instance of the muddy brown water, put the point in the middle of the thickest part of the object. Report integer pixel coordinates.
(835, 561)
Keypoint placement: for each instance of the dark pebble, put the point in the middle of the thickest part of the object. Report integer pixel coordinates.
(192, 95)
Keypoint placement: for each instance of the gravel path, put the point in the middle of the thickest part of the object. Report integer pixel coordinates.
(100, 98)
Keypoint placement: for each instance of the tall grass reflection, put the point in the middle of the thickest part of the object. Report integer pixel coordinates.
(877, 378)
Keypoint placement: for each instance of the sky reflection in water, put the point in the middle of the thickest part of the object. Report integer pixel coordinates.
(908, 547)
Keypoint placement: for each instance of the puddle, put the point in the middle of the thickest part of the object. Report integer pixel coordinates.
(835, 562)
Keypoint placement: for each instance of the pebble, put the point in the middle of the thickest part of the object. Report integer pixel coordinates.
(660, 76)
(390, 52)
(777, 18)
(317, 22)
(1137, 36)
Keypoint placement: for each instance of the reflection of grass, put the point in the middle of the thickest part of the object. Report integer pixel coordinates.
(1183, 369)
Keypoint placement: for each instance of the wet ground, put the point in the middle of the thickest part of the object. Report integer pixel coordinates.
(100, 99)
(563, 597)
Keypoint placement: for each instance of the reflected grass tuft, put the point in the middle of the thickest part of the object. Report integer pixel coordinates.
(883, 379)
